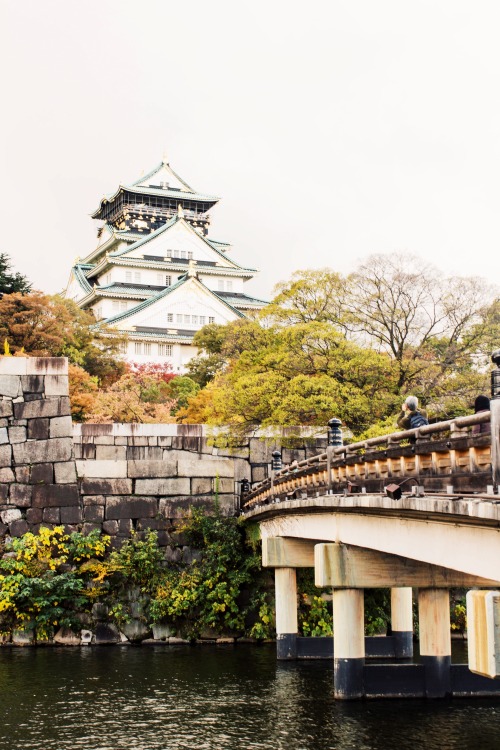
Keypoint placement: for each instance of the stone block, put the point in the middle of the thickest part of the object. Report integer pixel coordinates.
(180, 507)
(10, 385)
(77, 450)
(105, 633)
(88, 527)
(47, 407)
(101, 469)
(31, 397)
(93, 513)
(4, 492)
(23, 474)
(88, 451)
(150, 469)
(67, 637)
(56, 385)
(164, 442)
(5, 456)
(94, 500)
(61, 427)
(13, 365)
(38, 429)
(152, 441)
(110, 527)
(153, 524)
(55, 495)
(65, 472)
(3, 529)
(120, 440)
(23, 637)
(194, 465)
(16, 435)
(3, 421)
(46, 366)
(260, 451)
(41, 451)
(107, 486)
(103, 440)
(125, 526)
(130, 507)
(138, 440)
(20, 495)
(259, 473)
(34, 515)
(226, 486)
(200, 486)
(18, 527)
(7, 475)
(144, 453)
(136, 630)
(71, 515)
(33, 384)
(164, 487)
(4, 435)
(42, 474)
(52, 515)
(241, 469)
(110, 453)
(5, 408)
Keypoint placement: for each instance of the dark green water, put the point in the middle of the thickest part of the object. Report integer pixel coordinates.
(213, 698)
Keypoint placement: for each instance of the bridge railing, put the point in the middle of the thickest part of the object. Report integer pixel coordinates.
(450, 457)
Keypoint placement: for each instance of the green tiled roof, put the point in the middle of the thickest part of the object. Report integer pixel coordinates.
(181, 195)
(157, 169)
(79, 272)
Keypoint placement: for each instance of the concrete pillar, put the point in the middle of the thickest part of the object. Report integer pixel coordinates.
(285, 581)
(402, 622)
(349, 649)
(435, 640)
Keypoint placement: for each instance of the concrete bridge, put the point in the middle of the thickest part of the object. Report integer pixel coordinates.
(417, 509)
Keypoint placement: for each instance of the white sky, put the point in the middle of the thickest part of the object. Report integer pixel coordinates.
(330, 129)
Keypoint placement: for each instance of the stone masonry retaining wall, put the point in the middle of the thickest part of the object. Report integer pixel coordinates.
(112, 477)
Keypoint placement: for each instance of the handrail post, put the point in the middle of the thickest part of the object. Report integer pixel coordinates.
(334, 435)
(495, 421)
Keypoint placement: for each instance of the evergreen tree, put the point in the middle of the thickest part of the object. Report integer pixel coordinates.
(11, 282)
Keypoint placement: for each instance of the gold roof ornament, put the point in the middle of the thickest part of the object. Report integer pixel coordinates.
(165, 158)
(191, 268)
(180, 211)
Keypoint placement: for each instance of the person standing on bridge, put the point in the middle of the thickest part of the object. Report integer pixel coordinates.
(411, 416)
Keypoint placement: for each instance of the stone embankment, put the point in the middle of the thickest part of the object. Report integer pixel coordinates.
(112, 477)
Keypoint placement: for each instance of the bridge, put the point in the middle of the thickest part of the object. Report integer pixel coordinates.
(417, 509)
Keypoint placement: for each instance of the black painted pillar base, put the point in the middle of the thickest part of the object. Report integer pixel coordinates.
(437, 676)
(286, 646)
(348, 682)
(403, 644)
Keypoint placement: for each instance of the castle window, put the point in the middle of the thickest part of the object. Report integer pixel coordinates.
(169, 253)
(229, 286)
(138, 347)
(211, 320)
(184, 254)
(194, 319)
(170, 317)
(168, 281)
(137, 277)
(220, 285)
(123, 347)
(123, 305)
(165, 350)
(147, 348)
(128, 275)
(202, 320)
(190, 255)
(116, 304)
(187, 318)
(178, 318)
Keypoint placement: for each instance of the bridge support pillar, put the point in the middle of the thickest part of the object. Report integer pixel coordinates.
(285, 581)
(435, 640)
(402, 622)
(349, 655)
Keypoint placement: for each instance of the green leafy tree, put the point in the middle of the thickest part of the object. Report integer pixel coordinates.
(11, 282)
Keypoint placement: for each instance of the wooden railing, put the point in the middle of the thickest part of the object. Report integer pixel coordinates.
(452, 457)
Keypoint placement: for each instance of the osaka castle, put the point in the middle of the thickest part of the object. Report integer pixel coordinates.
(156, 275)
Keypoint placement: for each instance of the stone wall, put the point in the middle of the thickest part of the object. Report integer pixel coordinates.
(112, 477)
(38, 481)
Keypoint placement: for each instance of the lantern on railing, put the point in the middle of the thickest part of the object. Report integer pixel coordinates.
(495, 375)
(276, 462)
(245, 487)
(334, 432)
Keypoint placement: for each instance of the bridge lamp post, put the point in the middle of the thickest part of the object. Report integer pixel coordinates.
(334, 436)
(276, 465)
(495, 420)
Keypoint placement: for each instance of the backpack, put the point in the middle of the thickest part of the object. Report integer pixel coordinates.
(417, 420)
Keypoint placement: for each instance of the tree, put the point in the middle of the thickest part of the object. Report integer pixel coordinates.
(9, 282)
(308, 296)
(135, 397)
(82, 392)
(300, 375)
(424, 320)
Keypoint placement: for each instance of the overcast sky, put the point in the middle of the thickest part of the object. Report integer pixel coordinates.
(331, 130)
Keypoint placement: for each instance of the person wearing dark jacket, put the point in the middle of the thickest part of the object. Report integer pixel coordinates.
(411, 416)
(482, 403)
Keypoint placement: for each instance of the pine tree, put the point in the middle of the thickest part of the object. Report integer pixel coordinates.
(11, 282)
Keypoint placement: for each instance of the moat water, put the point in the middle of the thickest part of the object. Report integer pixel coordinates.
(213, 698)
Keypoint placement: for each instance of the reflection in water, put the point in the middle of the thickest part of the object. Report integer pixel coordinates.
(213, 698)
